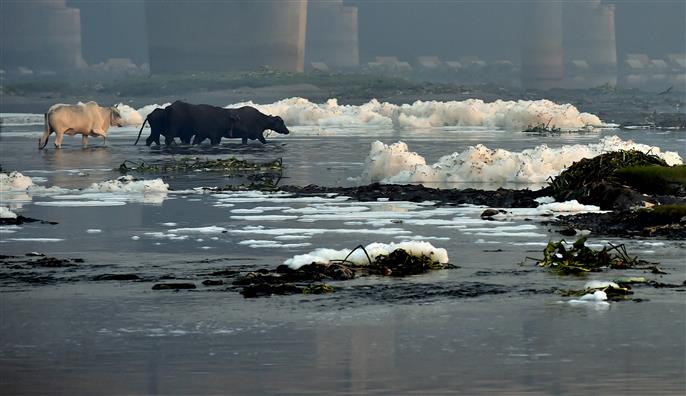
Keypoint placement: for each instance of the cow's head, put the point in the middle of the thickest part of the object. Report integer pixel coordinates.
(115, 117)
(276, 124)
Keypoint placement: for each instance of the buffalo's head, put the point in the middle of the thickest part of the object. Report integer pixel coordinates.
(276, 124)
(234, 120)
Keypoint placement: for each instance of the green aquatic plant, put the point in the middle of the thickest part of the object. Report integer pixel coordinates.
(318, 288)
(579, 258)
(654, 179)
(672, 213)
(199, 164)
(582, 175)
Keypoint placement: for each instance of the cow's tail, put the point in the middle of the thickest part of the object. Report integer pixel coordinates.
(139, 132)
(43, 141)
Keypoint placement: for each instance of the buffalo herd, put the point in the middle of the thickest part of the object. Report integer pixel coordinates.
(200, 122)
(190, 123)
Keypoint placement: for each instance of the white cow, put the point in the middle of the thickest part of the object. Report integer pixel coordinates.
(88, 119)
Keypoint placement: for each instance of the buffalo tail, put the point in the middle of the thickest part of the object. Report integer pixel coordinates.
(139, 132)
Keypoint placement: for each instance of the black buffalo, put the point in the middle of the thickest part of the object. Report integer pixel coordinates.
(252, 124)
(157, 120)
(185, 120)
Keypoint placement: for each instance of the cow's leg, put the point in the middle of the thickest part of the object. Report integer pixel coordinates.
(168, 140)
(59, 135)
(262, 139)
(244, 140)
(214, 140)
(84, 140)
(104, 140)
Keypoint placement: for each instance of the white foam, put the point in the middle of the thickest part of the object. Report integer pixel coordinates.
(321, 208)
(597, 295)
(292, 237)
(421, 238)
(162, 235)
(78, 203)
(428, 114)
(417, 115)
(500, 228)
(247, 211)
(122, 189)
(36, 239)
(317, 231)
(15, 181)
(395, 164)
(510, 234)
(93, 231)
(265, 218)
(374, 250)
(568, 206)
(259, 243)
(128, 184)
(198, 230)
(544, 200)
(135, 117)
(6, 213)
(597, 284)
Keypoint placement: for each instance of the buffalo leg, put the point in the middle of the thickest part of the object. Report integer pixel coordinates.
(197, 139)
(168, 140)
(215, 140)
(262, 139)
(244, 140)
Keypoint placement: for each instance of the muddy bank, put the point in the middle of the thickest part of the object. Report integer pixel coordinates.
(625, 221)
(504, 198)
(22, 220)
(626, 224)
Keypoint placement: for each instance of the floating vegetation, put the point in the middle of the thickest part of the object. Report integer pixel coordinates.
(579, 258)
(319, 288)
(581, 177)
(398, 263)
(612, 290)
(173, 286)
(200, 164)
(307, 279)
(543, 128)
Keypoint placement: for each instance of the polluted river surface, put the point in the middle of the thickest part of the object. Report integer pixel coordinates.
(494, 324)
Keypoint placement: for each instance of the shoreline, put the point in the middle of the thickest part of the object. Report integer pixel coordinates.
(626, 108)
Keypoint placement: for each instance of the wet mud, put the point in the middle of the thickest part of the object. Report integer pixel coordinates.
(628, 224)
(505, 198)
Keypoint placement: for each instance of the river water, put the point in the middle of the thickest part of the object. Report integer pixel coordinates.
(493, 325)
